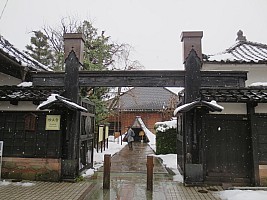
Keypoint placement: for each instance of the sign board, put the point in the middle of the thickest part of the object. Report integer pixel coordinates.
(117, 134)
(1, 148)
(141, 133)
(52, 123)
(1, 156)
(106, 132)
(100, 133)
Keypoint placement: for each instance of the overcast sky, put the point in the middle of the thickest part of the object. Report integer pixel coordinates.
(151, 27)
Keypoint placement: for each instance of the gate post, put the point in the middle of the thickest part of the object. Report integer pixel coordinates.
(106, 176)
(150, 166)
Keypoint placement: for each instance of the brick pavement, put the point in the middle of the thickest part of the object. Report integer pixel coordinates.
(132, 186)
(128, 182)
(31, 190)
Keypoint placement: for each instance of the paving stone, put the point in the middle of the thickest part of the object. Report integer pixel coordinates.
(128, 181)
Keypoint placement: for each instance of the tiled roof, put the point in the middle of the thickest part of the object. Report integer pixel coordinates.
(242, 52)
(7, 49)
(242, 95)
(147, 98)
(11, 93)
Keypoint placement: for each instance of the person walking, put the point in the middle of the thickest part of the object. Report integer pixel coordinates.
(130, 137)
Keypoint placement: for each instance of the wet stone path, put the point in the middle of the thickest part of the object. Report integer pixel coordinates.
(128, 180)
(135, 160)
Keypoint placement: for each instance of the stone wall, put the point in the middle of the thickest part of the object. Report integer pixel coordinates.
(263, 175)
(38, 169)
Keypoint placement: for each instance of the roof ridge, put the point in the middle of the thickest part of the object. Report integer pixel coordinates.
(241, 51)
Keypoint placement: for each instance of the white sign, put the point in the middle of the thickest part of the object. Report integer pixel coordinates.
(52, 122)
(1, 148)
(1, 154)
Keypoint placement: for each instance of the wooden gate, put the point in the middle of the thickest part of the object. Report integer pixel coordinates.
(86, 142)
(227, 143)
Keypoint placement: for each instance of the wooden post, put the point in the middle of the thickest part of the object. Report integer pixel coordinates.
(150, 166)
(254, 136)
(192, 88)
(70, 165)
(106, 176)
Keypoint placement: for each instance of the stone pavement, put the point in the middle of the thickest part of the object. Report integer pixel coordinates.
(128, 182)
(31, 190)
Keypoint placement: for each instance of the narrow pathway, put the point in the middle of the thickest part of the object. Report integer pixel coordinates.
(135, 160)
(128, 180)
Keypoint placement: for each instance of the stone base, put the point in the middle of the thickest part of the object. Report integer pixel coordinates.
(263, 175)
(38, 169)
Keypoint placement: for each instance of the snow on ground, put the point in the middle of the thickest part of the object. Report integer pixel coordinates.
(152, 139)
(243, 195)
(114, 146)
(23, 184)
(169, 160)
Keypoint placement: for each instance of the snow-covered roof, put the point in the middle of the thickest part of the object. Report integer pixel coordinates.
(258, 84)
(55, 99)
(25, 84)
(23, 59)
(213, 106)
(242, 52)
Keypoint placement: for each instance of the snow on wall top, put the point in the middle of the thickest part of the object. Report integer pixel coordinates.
(20, 57)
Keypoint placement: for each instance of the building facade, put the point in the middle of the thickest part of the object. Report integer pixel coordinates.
(225, 146)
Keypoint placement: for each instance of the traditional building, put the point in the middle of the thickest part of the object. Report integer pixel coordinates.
(47, 131)
(152, 104)
(224, 142)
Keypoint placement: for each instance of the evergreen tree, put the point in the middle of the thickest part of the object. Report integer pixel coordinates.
(39, 48)
(99, 54)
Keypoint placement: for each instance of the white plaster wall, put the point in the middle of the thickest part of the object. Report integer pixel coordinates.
(232, 108)
(8, 80)
(261, 108)
(256, 73)
(22, 106)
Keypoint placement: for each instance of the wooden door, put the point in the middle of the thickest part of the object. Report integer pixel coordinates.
(228, 147)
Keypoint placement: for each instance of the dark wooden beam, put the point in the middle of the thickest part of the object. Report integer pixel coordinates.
(223, 78)
(255, 147)
(132, 78)
(144, 78)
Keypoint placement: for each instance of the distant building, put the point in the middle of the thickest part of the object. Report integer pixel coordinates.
(152, 104)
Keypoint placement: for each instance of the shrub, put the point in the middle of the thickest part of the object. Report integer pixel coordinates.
(166, 141)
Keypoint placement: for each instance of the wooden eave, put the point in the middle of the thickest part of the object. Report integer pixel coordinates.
(11, 67)
(242, 95)
(11, 93)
